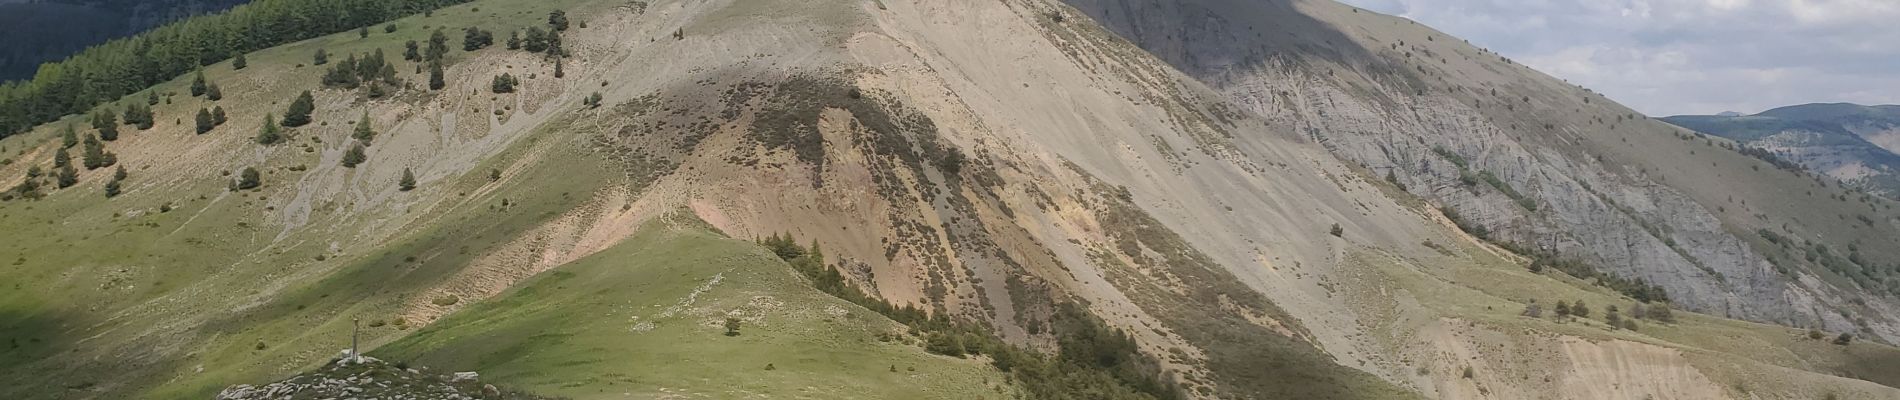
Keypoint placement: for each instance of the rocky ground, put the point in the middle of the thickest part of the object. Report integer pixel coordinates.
(370, 378)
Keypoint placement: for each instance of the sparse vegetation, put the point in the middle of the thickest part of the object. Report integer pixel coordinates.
(1090, 357)
(105, 72)
(372, 70)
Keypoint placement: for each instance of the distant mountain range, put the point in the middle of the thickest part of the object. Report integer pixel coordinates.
(1854, 143)
(40, 31)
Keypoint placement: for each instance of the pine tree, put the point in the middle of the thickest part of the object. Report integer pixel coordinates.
(198, 83)
(248, 179)
(558, 20)
(66, 175)
(535, 40)
(362, 32)
(438, 45)
(320, 58)
(300, 109)
(204, 121)
(93, 155)
(269, 134)
(62, 159)
(217, 116)
(1614, 319)
(1580, 310)
(112, 189)
(514, 40)
(119, 173)
(408, 181)
(388, 73)
(138, 115)
(214, 93)
(68, 137)
(107, 124)
(151, 98)
(354, 156)
(364, 132)
(503, 83)
(1563, 309)
(435, 76)
(239, 62)
(146, 119)
(554, 45)
(475, 39)
(410, 52)
(559, 71)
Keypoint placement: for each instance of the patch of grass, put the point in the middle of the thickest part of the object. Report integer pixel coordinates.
(646, 317)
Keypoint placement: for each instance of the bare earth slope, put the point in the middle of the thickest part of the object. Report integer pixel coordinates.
(987, 161)
(1576, 175)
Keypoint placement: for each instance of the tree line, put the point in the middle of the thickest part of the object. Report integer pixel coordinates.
(113, 69)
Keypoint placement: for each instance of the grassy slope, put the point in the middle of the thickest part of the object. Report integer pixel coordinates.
(644, 318)
(1480, 287)
(115, 271)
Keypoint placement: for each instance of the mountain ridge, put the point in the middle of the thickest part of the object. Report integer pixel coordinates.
(1858, 145)
(990, 163)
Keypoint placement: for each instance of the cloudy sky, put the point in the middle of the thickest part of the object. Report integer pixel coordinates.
(1667, 57)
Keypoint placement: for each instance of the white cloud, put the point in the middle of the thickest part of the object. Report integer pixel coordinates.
(1689, 56)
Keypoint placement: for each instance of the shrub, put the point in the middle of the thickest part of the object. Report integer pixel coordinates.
(1338, 231)
(732, 326)
(1660, 312)
(1844, 339)
(447, 300)
(247, 179)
